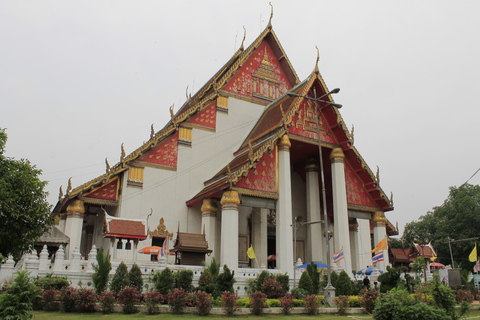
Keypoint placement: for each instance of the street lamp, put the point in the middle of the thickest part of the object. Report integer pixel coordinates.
(329, 289)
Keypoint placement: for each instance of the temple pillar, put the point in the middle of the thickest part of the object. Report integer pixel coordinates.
(74, 224)
(315, 241)
(229, 238)
(380, 232)
(259, 237)
(364, 243)
(340, 209)
(353, 227)
(284, 232)
(209, 223)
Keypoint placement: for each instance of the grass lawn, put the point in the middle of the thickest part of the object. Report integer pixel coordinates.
(42, 315)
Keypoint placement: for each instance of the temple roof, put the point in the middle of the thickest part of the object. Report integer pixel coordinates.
(125, 228)
(53, 236)
(191, 242)
(400, 255)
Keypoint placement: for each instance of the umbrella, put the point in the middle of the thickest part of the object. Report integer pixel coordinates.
(367, 271)
(437, 265)
(151, 250)
(319, 265)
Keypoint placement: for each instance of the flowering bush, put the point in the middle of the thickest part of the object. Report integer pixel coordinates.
(177, 299)
(463, 295)
(203, 303)
(152, 300)
(87, 300)
(69, 296)
(287, 303)
(128, 297)
(342, 304)
(272, 288)
(257, 302)
(368, 300)
(229, 303)
(50, 298)
(311, 304)
(107, 301)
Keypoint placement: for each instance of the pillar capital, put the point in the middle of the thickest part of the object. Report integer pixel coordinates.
(337, 155)
(230, 199)
(75, 208)
(353, 224)
(284, 143)
(209, 207)
(312, 164)
(379, 219)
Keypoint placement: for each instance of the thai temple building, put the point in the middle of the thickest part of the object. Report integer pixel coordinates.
(239, 165)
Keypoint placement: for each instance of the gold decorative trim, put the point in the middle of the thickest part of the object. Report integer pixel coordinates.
(284, 143)
(352, 224)
(197, 126)
(209, 207)
(103, 202)
(361, 208)
(295, 137)
(337, 155)
(75, 206)
(256, 193)
(230, 199)
(161, 230)
(312, 164)
(139, 163)
(238, 96)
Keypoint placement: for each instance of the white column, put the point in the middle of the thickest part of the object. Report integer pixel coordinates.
(353, 227)
(315, 241)
(31, 264)
(75, 260)
(259, 237)
(6, 271)
(379, 233)
(43, 261)
(92, 258)
(74, 225)
(209, 222)
(284, 232)
(364, 243)
(340, 209)
(59, 260)
(229, 238)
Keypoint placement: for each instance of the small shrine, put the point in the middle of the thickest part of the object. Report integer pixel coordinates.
(190, 248)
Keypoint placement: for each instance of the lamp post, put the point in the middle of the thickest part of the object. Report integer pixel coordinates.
(297, 224)
(329, 289)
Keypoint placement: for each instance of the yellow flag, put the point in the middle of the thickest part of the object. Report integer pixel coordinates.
(473, 256)
(251, 253)
(382, 245)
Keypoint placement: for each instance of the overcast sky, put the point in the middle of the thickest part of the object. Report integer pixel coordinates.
(79, 78)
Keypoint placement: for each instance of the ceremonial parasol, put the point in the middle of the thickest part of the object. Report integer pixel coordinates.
(151, 250)
(319, 265)
(437, 265)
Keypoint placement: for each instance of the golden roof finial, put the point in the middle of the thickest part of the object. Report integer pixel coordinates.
(351, 135)
(152, 131)
(269, 26)
(250, 149)
(316, 63)
(391, 198)
(189, 96)
(122, 154)
(172, 115)
(60, 193)
(283, 118)
(377, 176)
(69, 187)
(107, 165)
(229, 175)
(244, 35)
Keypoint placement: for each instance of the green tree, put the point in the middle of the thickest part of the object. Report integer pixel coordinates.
(226, 279)
(17, 301)
(24, 210)
(163, 281)
(419, 266)
(101, 271)
(120, 279)
(315, 276)
(306, 283)
(457, 218)
(344, 285)
(135, 278)
(389, 279)
(183, 280)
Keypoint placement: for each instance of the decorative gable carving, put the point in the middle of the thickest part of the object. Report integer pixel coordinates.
(356, 193)
(107, 192)
(163, 156)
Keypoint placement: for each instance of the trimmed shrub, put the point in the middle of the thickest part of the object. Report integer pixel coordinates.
(107, 301)
(120, 279)
(183, 280)
(69, 297)
(311, 304)
(305, 283)
(298, 303)
(87, 300)
(463, 295)
(272, 288)
(51, 297)
(101, 271)
(206, 282)
(389, 279)
(344, 286)
(177, 299)
(50, 282)
(342, 304)
(163, 281)
(244, 302)
(258, 302)
(135, 278)
(203, 303)
(17, 300)
(229, 303)
(354, 301)
(286, 302)
(284, 280)
(273, 303)
(226, 280)
(312, 271)
(299, 293)
(152, 299)
(368, 300)
(128, 297)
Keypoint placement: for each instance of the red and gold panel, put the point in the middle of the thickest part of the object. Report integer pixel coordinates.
(260, 76)
(305, 125)
(165, 153)
(356, 193)
(206, 118)
(108, 191)
(263, 177)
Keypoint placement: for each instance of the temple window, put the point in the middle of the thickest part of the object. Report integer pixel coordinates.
(185, 136)
(119, 244)
(128, 245)
(135, 177)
